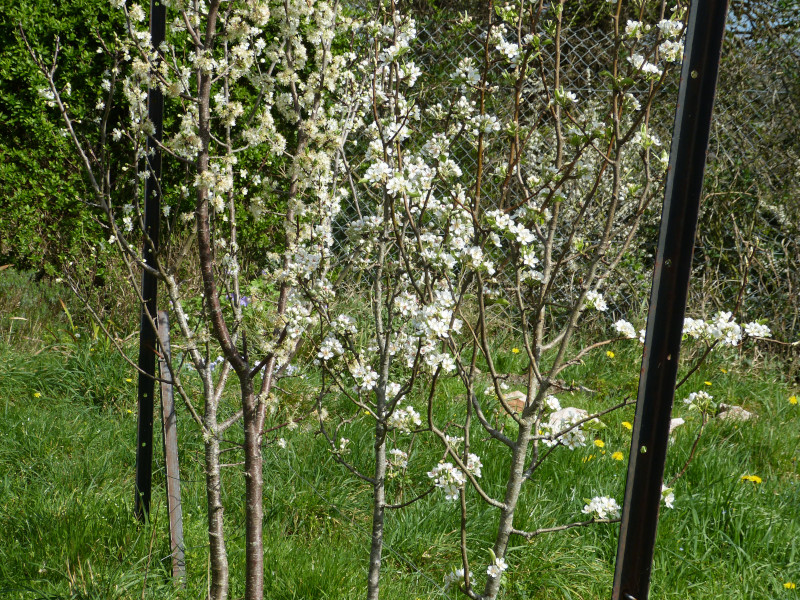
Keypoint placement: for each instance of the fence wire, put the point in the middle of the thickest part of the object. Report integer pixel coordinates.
(748, 242)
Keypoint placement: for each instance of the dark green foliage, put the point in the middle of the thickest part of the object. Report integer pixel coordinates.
(44, 217)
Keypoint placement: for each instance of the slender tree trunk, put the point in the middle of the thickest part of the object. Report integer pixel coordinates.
(513, 487)
(216, 536)
(378, 511)
(254, 486)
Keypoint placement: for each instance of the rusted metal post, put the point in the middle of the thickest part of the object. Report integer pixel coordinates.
(173, 474)
(668, 299)
(147, 333)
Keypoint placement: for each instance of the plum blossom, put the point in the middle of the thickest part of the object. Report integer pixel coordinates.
(398, 459)
(404, 419)
(602, 507)
(624, 328)
(330, 348)
(755, 329)
(667, 496)
(497, 568)
(595, 300)
(449, 478)
(702, 401)
(452, 578)
(640, 64)
(669, 28)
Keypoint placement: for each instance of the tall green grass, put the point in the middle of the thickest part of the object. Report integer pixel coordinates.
(67, 437)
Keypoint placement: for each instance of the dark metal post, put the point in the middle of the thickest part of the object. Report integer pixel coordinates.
(173, 474)
(147, 334)
(668, 299)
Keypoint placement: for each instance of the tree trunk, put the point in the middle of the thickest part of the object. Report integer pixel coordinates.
(506, 524)
(254, 486)
(378, 511)
(218, 556)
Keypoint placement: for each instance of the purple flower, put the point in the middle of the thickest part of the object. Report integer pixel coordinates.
(243, 301)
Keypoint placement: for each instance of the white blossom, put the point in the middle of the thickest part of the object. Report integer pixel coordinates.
(595, 300)
(497, 567)
(602, 507)
(624, 328)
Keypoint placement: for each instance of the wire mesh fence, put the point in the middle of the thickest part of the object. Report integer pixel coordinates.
(748, 244)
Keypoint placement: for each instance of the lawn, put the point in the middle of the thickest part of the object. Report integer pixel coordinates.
(67, 437)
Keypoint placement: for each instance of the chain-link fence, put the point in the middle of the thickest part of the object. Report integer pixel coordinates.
(748, 244)
(748, 241)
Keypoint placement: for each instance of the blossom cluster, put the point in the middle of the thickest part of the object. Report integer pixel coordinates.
(724, 329)
(563, 426)
(701, 400)
(602, 507)
(451, 479)
(497, 568)
(404, 419)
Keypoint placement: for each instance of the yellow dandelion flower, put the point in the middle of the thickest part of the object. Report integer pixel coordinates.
(627, 425)
(617, 455)
(610, 354)
(753, 478)
(588, 458)
(515, 350)
(129, 411)
(37, 394)
(600, 443)
(789, 585)
(792, 399)
(129, 380)
(707, 382)
(723, 370)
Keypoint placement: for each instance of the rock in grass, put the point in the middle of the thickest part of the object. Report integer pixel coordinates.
(675, 423)
(515, 401)
(731, 412)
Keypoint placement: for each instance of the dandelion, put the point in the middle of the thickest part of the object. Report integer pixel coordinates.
(129, 380)
(515, 350)
(707, 382)
(617, 455)
(789, 585)
(627, 425)
(37, 394)
(753, 478)
(792, 399)
(600, 443)
(610, 354)
(723, 370)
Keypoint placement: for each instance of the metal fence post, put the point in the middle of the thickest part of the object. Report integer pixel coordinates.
(668, 299)
(173, 474)
(147, 334)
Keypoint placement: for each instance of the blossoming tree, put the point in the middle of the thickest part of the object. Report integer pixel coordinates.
(261, 104)
(508, 205)
(417, 221)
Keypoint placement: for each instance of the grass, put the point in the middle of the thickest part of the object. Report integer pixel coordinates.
(67, 432)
